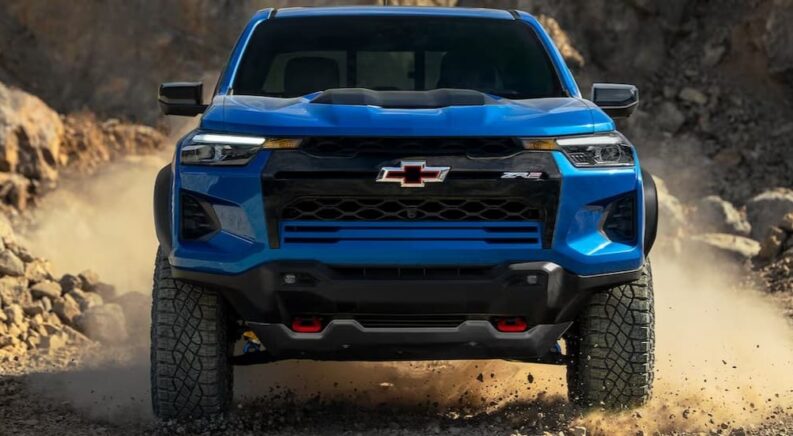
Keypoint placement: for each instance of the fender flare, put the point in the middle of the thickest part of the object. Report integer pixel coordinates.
(650, 211)
(163, 207)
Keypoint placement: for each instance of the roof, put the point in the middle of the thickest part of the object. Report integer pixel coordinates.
(393, 11)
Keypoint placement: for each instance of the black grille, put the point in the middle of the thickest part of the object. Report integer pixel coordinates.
(410, 209)
(408, 273)
(408, 321)
(472, 147)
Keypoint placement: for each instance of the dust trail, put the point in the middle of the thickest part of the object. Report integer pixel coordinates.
(103, 223)
(724, 354)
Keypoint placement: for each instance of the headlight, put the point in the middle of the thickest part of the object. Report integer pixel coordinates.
(219, 149)
(608, 150)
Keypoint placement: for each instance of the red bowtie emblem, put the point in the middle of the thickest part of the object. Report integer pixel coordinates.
(412, 174)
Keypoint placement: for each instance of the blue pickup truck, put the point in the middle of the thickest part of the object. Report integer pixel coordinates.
(385, 183)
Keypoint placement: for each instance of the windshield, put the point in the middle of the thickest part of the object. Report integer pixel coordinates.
(292, 57)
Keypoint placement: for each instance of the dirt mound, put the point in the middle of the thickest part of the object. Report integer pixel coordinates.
(43, 314)
(36, 144)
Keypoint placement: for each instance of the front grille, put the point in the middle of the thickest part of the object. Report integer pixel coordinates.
(409, 209)
(352, 146)
(411, 273)
(409, 321)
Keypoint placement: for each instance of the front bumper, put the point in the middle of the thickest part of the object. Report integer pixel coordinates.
(380, 313)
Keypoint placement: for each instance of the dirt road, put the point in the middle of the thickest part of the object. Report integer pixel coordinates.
(725, 359)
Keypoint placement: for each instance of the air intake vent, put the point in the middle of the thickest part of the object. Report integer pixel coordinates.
(198, 218)
(620, 220)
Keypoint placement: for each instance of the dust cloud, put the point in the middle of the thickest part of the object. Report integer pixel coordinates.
(102, 222)
(724, 354)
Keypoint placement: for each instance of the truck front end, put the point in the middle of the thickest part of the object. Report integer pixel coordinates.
(404, 184)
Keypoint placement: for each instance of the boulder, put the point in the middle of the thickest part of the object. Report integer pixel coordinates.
(692, 95)
(773, 245)
(69, 282)
(38, 270)
(715, 215)
(86, 299)
(53, 342)
(767, 209)
(48, 289)
(14, 290)
(105, 323)
(137, 309)
(66, 308)
(89, 279)
(10, 264)
(105, 290)
(779, 37)
(14, 314)
(30, 136)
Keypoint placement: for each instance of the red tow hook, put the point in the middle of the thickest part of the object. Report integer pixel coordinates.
(307, 324)
(511, 324)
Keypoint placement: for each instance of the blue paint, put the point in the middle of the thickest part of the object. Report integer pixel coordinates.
(578, 244)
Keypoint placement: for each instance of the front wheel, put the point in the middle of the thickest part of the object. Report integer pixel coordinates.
(191, 372)
(612, 346)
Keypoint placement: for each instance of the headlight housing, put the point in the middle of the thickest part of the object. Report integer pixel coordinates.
(591, 151)
(221, 149)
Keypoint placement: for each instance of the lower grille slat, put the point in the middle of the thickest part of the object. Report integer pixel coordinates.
(410, 209)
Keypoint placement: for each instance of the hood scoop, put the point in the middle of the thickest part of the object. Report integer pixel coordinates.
(438, 98)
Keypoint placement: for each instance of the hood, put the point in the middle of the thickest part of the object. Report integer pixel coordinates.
(300, 116)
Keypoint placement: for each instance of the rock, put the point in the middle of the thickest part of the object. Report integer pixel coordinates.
(3, 317)
(772, 245)
(105, 290)
(715, 215)
(692, 95)
(30, 136)
(48, 289)
(10, 264)
(734, 247)
(669, 118)
(66, 308)
(14, 289)
(75, 336)
(54, 342)
(767, 209)
(713, 54)
(89, 280)
(787, 223)
(779, 37)
(14, 314)
(38, 270)
(104, 323)
(69, 282)
(33, 310)
(86, 299)
(578, 431)
(6, 230)
(46, 303)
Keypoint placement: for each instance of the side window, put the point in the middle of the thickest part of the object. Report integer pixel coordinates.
(386, 70)
(274, 84)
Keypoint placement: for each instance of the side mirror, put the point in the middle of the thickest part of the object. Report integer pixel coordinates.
(182, 98)
(618, 101)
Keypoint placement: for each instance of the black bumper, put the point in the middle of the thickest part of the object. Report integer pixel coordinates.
(378, 313)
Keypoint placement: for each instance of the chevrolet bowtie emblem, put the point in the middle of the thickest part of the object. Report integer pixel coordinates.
(412, 174)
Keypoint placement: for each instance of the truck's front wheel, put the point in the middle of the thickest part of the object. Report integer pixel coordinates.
(612, 347)
(191, 374)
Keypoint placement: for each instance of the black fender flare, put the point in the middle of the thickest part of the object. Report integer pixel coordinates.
(163, 185)
(650, 211)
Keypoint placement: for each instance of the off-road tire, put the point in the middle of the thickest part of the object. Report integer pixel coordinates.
(191, 374)
(612, 346)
